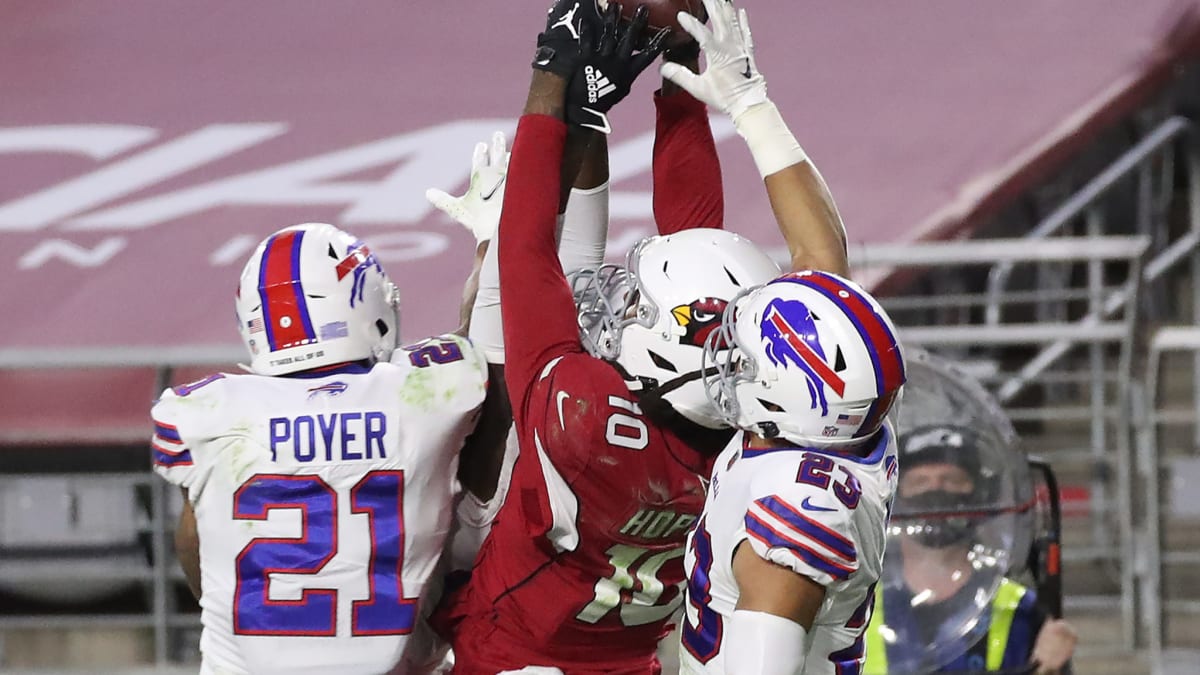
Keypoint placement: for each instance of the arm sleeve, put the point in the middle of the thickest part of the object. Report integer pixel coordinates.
(584, 229)
(688, 191)
(816, 544)
(539, 312)
(758, 643)
(583, 234)
(487, 329)
(474, 516)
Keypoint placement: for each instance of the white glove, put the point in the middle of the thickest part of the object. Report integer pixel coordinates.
(730, 82)
(478, 209)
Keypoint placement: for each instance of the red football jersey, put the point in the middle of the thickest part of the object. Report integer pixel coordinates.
(584, 565)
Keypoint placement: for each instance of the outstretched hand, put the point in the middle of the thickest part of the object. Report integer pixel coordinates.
(609, 64)
(731, 81)
(478, 209)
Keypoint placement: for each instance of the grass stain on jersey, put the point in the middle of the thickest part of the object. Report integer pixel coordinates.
(418, 390)
(241, 458)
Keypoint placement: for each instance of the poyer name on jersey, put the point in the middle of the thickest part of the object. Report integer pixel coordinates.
(340, 435)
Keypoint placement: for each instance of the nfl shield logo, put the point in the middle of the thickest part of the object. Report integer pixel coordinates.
(830, 432)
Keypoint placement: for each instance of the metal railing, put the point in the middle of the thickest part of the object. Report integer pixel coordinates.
(1150, 165)
(1151, 415)
(1160, 141)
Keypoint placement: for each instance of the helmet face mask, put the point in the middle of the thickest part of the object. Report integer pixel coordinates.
(652, 317)
(809, 357)
(607, 300)
(312, 296)
(726, 365)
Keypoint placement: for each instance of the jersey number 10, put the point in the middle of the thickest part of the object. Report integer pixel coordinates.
(380, 497)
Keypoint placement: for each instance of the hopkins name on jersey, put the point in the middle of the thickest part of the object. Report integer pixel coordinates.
(323, 502)
(822, 514)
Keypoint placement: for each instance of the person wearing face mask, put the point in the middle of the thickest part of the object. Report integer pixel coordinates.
(947, 586)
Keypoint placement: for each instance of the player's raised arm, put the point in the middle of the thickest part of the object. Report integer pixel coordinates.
(580, 72)
(803, 206)
(478, 210)
(688, 192)
(583, 228)
(539, 317)
(583, 223)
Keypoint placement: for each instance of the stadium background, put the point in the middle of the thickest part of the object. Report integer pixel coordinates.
(146, 146)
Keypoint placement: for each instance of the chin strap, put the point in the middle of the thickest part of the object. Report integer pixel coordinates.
(650, 395)
(652, 398)
(650, 386)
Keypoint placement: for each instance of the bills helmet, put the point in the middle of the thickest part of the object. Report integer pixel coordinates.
(312, 295)
(809, 357)
(652, 317)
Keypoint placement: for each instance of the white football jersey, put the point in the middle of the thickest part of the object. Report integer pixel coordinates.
(323, 504)
(820, 513)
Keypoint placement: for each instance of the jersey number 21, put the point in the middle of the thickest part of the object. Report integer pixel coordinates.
(380, 497)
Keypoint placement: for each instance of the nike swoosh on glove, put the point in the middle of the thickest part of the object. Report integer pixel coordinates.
(731, 81)
(478, 209)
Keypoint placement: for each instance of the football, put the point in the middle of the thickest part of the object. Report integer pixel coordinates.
(663, 14)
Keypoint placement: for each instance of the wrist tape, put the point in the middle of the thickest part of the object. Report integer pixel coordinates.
(771, 143)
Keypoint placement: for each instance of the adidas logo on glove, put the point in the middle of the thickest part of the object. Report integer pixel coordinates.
(598, 85)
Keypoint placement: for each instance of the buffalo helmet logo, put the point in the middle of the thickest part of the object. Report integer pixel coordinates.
(358, 260)
(790, 330)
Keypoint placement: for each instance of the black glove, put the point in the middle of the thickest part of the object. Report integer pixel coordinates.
(606, 71)
(558, 48)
